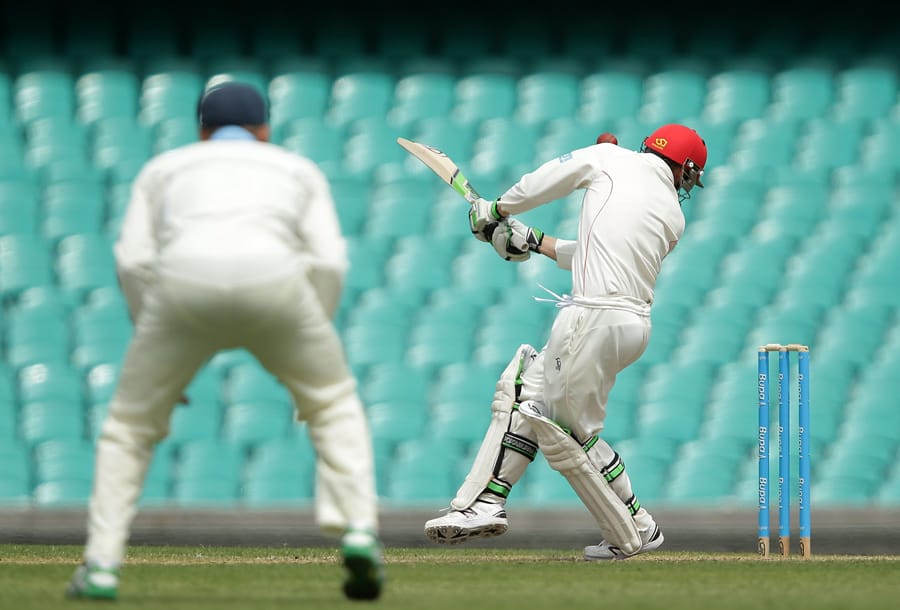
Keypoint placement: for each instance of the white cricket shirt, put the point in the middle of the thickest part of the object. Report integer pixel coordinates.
(229, 212)
(630, 220)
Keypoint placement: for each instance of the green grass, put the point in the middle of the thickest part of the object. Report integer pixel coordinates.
(222, 578)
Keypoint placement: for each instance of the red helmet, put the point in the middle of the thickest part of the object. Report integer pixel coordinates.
(682, 145)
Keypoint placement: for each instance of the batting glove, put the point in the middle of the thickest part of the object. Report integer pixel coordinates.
(525, 237)
(483, 218)
(514, 241)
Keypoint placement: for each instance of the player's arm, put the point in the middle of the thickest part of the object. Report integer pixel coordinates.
(553, 180)
(135, 248)
(515, 241)
(326, 245)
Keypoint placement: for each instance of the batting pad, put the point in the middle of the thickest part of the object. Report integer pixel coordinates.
(566, 456)
(498, 432)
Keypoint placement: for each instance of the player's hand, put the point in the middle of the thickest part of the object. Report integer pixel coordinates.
(525, 237)
(483, 218)
(514, 241)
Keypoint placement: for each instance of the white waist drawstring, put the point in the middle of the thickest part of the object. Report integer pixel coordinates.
(621, 303)
(560, 301)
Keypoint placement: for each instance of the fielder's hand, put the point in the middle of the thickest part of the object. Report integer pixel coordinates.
(514, 241)
(483, 218)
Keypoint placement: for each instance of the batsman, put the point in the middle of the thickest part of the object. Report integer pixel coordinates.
(554, 399)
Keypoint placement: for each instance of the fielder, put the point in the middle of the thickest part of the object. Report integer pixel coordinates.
(554, 400)
(233, 242)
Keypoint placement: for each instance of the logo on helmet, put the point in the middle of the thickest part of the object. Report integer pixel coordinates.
(660, 143)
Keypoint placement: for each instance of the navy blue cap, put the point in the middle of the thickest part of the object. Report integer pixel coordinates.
(232, 103)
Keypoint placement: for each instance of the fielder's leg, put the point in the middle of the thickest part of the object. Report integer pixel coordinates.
(162, 358)
(301, 347)
(507, 449)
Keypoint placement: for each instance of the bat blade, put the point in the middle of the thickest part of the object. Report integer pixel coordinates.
(446, 169)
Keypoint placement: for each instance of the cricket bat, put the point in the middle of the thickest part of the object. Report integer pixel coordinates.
(442, 165)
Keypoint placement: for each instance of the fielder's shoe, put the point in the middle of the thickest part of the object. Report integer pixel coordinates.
(481, 520)
(93, 581)
(361, 551)
(607, 552)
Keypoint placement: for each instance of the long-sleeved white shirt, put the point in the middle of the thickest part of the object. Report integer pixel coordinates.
(630, 220)
(230, 212)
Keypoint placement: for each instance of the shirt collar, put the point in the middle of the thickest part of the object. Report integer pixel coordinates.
(231, 132)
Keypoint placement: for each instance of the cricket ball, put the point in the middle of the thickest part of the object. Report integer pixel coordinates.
(607, 137)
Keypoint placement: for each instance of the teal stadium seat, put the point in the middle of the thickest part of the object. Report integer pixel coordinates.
(211, 491)
(420, 263)
(867, 90)
(830, 143)
(169, 94)
(473, 256)
(100, 382)
(545, 96)
(250, 383)
(43, 93)
(208, 457)
(802, 91)
(73, 493)
(300, 94)
(53, 144)
(396, 421)
(505, 147)
(201, 420)
(724, 324)
(695, 482)
(877, 145)
(120, 145)
(63, 471)
(358, 95)
(19, 206)
(279, 471)
(84, 262)
(248, 423)
(106, 93)
(610, 94)
(482, 96)
(371, 143)
(57, 419)
(15, 474)
(68, 211)
(399, 209)
(396, 382)
(565, 134)
(687, 276)
(319, 140)
(672, 95)
(420, 96)
(172, 132)
(421, 472)
(737, 94)
(36, 334)
(451, 135)
(49, 381)
(765, 143)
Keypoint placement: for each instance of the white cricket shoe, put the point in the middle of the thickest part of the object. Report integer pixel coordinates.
(481, 520)
(608, 552)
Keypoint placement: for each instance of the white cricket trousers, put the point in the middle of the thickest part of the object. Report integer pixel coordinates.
(182, 324)
(577, 368)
